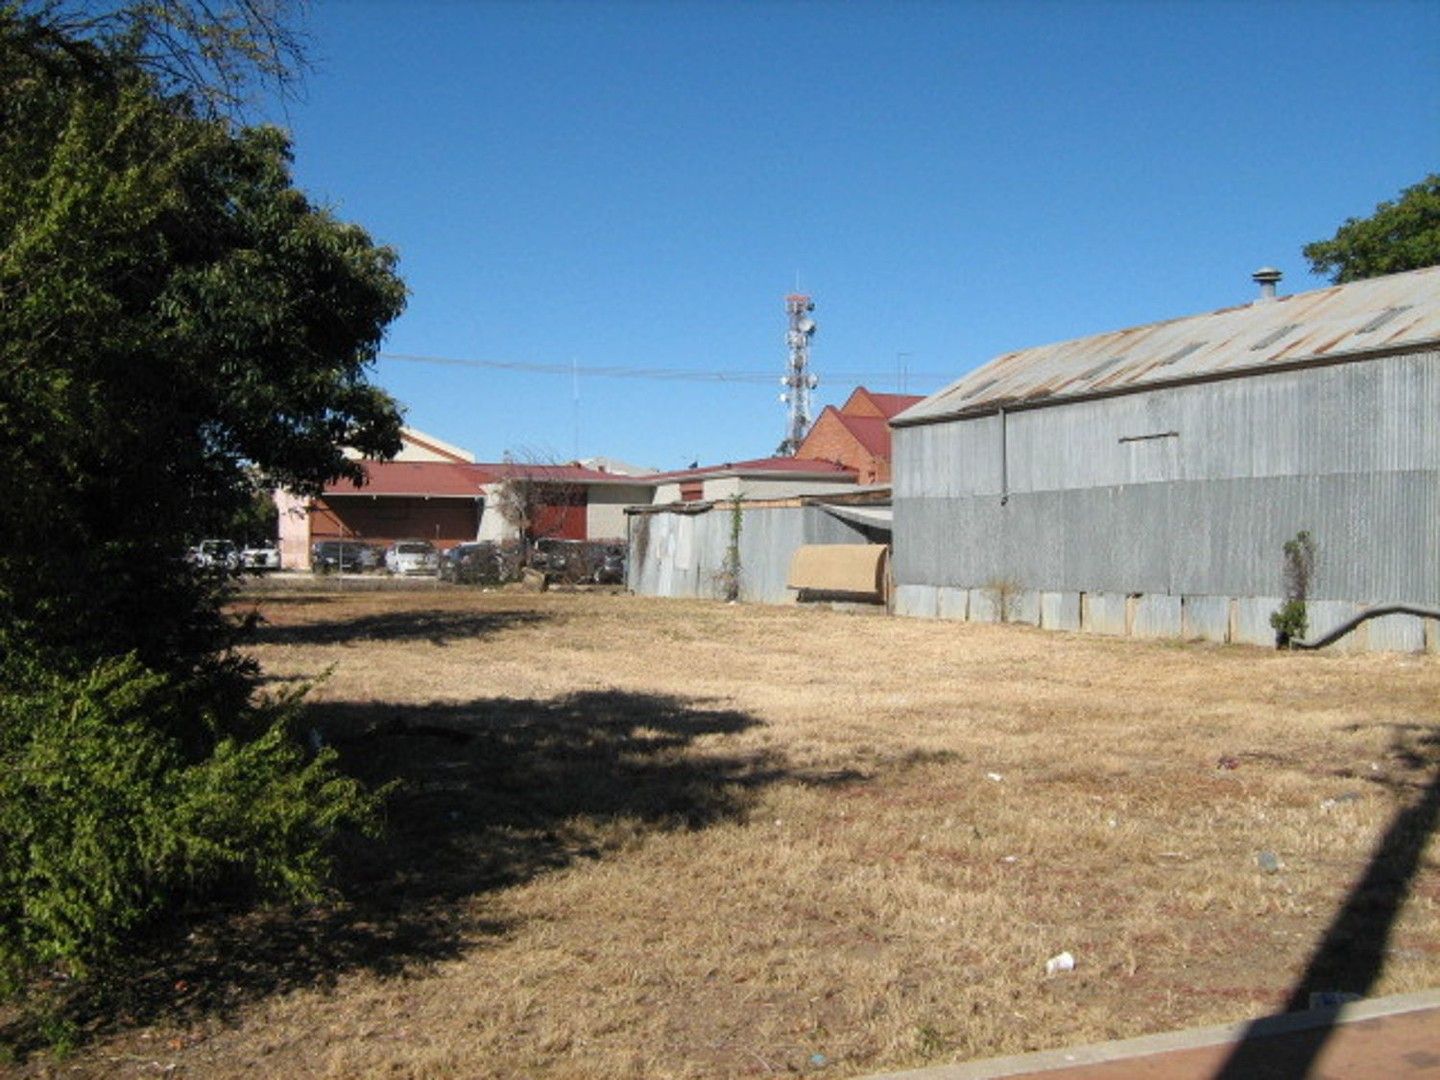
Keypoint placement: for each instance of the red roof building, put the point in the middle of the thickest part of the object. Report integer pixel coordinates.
(857, 435)
(436, 492)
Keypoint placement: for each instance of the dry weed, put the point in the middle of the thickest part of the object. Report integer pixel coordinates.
(644, 838)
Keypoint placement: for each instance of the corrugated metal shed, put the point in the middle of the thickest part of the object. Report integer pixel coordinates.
(1382, 315)
(680, 550)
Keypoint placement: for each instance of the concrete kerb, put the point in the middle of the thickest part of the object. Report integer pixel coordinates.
(1149, 1045)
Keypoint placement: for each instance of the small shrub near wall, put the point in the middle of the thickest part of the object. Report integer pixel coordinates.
(1292, 620)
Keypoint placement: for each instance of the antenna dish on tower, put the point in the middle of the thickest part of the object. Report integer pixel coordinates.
(798, 381)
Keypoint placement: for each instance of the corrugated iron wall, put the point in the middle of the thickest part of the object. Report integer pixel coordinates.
(1187, 491)
(683, 554)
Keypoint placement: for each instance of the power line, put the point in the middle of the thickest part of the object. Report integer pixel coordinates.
(574, 371)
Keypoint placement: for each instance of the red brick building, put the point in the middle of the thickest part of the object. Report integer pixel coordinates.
(437, 492)
(857, 435)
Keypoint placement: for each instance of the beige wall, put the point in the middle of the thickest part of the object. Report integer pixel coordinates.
(493, 527)
(605, 515)
(604, 512)
(717, 488)
(294, 531)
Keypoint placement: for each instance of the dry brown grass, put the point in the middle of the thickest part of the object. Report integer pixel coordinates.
(693, 840)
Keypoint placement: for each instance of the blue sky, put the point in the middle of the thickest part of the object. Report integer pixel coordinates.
(639, 185)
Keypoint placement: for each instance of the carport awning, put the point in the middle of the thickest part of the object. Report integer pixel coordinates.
(875, 517)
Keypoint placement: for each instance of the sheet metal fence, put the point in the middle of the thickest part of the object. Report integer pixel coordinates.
(682, 553)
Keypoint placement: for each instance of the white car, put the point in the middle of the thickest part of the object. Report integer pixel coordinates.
(261, 557)
(412, 557)
(217, 554)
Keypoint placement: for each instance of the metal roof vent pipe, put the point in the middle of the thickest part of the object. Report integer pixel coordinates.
(1267, 277)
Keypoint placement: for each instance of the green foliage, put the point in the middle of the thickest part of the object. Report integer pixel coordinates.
(1299, 565)
(217, 51)
(257, 519)
(1400, 235)
(104, 823)
(1291, 622)
(730, 569)
(177, 322)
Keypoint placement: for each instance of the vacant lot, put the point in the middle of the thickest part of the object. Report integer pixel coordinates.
(642, 838)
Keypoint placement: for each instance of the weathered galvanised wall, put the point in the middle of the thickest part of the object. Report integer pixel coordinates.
(1163, 513)
(681, 553)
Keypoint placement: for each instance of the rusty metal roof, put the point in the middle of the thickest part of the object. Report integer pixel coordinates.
(1381, 314)
(430, 479)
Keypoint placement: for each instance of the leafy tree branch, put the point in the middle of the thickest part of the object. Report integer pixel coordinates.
(1400, 235)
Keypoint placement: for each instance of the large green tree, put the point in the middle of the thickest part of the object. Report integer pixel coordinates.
(177, 322)
(175, 317)
(220, 53)
(1399, 235)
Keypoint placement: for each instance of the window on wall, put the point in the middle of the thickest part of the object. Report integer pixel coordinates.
(692, 490)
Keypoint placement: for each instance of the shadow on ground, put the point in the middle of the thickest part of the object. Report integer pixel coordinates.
(435, 627)
(490, 793)
(1350, 956)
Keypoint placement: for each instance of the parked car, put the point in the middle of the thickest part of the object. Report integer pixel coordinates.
(260, 558)
(561, 560)
(215, 554)
(411, 557)
(478, 563)
(452, 560)
(344, 556)
(610, 568)
(576, 561)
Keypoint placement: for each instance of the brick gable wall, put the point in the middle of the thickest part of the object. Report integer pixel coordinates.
(829, 440)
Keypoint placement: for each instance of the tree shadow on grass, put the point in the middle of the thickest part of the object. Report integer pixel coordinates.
(1350, 957)
(490, 793)
(435, 627)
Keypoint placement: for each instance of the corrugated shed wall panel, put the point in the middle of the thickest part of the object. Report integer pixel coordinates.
(1350, 453)
(1370, 416)
(683, 555)
(949, 459)
(767, 540)
(823, 528)
(1378, 536)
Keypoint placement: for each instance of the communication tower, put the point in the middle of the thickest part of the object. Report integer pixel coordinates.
(798, 381)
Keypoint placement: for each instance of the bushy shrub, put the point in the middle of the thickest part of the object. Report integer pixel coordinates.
(1291, 621)
(105, 822)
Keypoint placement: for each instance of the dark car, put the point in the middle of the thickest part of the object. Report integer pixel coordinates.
(477, 563)
(610, 567)
(343, 556)
(561, 560)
